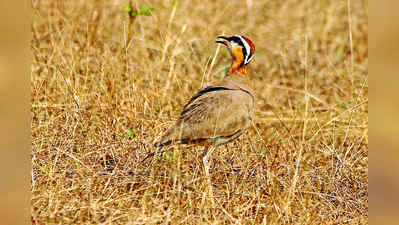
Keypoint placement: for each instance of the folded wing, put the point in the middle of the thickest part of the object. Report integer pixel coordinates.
(215, 115)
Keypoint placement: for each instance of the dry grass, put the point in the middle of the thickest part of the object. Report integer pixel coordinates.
(96, 98)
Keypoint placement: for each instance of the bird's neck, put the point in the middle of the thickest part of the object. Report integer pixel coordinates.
(235, 67)
(237, 70)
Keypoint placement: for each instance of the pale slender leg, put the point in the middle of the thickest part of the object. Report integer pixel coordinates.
(205, 157)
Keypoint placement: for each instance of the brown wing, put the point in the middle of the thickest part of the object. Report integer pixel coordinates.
(213, 112)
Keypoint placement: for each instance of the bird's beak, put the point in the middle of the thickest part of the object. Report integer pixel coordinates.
(225, 40)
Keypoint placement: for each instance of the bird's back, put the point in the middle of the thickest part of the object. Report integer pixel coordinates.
(216, 115)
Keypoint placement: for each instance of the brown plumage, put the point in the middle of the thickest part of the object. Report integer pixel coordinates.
(216, 115)
(220, 112)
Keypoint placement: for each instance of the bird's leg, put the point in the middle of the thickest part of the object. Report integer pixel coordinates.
(205, 157)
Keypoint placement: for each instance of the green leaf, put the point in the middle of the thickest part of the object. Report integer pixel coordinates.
(131, 133)
(128, 9)
(45, 169)
(166, 156)
(146, 11)
(134, 13)
(225, 69)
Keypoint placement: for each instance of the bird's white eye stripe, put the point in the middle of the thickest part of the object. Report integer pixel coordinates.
(247, 49)
(247, 61)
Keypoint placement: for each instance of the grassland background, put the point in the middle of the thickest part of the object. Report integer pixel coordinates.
(91, 97)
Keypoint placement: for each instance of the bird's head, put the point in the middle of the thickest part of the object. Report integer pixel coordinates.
(241, 49)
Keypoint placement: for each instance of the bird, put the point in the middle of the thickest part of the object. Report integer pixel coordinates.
(220, 112)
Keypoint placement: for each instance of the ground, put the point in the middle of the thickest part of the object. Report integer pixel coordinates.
(105, 87)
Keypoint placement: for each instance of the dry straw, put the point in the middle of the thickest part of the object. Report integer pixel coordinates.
(104, 90)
